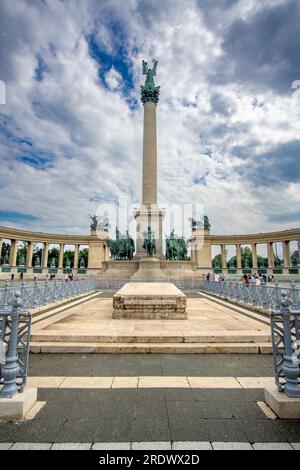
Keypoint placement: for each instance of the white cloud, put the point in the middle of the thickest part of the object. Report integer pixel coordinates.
(96, 139)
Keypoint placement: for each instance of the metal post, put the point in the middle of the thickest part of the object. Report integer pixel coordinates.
(11, 368)
(285, 330)
(290, 368)
(294, 296)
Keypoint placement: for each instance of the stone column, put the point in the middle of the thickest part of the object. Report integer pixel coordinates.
(76, 254)
(45, 255)
(29, 255)
(270, 255)
(223, 256)
(61, 255)
(298, 246)
(254, 256)
(238, 257)
(13, 253)
(286, 254)
(149, 155)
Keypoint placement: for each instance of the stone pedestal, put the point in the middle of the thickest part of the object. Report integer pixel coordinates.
(98, 249)
(150, 301)
(149, 268)
(201, 249)
(18, 406)
(284, 406)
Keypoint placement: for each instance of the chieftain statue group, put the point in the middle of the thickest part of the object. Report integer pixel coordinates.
(123, 247)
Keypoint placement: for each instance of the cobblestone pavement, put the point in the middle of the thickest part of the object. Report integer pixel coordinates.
(198, 416)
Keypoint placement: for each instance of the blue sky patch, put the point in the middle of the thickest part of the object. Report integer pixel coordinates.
(119, 60)
(41, 69)
(10, 216)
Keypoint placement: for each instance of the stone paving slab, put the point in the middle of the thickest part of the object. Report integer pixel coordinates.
(111, 446)
(31, 446)
(5, 445)
(151, 445)
(156, 381)
(185, 445)
(295, 445)
(71, 446)
(231, 446)
(272, 446)
(155, 445)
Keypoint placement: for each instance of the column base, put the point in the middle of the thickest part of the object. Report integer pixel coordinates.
(284, 406)
(149, 269)
(18, 406)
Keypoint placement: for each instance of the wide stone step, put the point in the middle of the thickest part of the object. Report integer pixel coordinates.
(167, 348)
(207, 337)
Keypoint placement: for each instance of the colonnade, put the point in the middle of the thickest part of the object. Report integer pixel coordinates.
(95, 242)
(203, 243)
(270, 254)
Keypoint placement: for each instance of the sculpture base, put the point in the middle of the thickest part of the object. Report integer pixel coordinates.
(149, 268)
(18, 406)
(150, 301)
(284, 406)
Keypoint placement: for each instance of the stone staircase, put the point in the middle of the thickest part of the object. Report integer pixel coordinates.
(56, 341)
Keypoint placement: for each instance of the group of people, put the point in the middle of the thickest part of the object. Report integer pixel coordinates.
(257, 279)
(253, 279)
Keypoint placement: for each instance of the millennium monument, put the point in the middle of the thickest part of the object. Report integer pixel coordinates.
(28, 254)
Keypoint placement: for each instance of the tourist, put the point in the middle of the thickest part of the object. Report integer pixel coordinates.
(257, 281)
(208, 277)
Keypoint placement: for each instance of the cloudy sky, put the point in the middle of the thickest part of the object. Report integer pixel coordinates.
(228, 116)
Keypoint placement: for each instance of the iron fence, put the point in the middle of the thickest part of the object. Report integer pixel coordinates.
(41, 293)
(263, 297)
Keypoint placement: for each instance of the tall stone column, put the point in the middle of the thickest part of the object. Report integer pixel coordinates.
(149, 214)
(254, 256)
(13, 253)
(29, 255)
(76, 254)
(238, 257)
(45, 255)
(286, 254)
(61, 255)
(149, 194)
(223, 256)
(270, 255)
